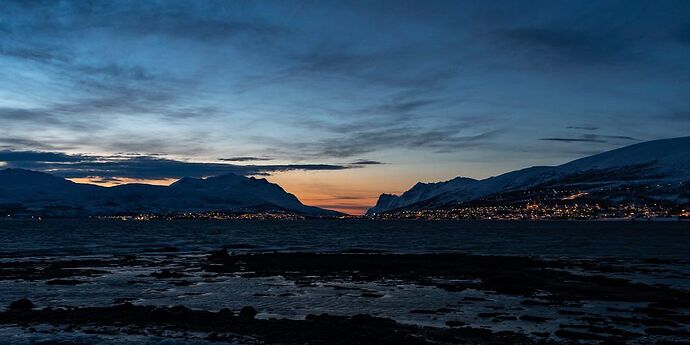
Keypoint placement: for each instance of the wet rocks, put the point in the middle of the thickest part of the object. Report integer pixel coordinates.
(536, 319)
(455, 323)
(512, 275)
(123, 300)
(21, 304)
(240, 246)
(219, 254)
(248, 313)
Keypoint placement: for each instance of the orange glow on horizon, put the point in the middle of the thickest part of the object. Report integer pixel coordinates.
(121, 180)
(351, 191)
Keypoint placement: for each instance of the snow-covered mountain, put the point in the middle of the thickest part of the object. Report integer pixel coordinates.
(658, 162)
(422, 191)
(40, 193)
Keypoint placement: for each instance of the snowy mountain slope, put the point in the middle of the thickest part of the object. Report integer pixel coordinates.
(47, 194)
(667, 157)
(654, 162)
(420, 192)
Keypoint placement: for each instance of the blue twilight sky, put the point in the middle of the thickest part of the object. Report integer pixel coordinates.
(336, 101)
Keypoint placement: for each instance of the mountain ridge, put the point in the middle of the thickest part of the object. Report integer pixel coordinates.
(41, 193)
(651, 162)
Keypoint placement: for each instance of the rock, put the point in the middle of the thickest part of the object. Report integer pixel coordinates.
(537, 319)
(21, 304)
(160, 315)
(239, 246)
(248, 313)
(219, 254)
(455, 323)
(123, 300)
(225, 312)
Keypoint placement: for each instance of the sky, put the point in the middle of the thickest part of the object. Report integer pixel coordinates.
(336, 101)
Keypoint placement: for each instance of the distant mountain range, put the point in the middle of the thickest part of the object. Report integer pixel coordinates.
(654, 171)
(30, 192)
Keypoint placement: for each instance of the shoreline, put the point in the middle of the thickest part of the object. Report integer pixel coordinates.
(485, 299)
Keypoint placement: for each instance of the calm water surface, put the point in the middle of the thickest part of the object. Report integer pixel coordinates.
(568, 239)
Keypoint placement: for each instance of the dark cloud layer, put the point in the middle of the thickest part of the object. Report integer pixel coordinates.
(245, 159)
(592, 138)
(366, 162)
(138, 167)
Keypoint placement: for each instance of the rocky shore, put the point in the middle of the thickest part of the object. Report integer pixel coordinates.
(453, 298)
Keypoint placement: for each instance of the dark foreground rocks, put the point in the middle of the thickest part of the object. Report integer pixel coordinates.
(21, 304)
(548, 308)
(228, 326)
(510, 275)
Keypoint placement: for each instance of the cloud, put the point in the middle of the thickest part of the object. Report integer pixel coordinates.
(191, 20)
(591, 138)
(621, 137)
(11, 143)
(398, 107)
(584, 128)
(138, 167)
(567, 44)
(357, 143)
(394, 68)
(132, 73)
(37, 156)
(36, 54)
(21, 114)
(575, 140)
(244, 159)
(366, 162)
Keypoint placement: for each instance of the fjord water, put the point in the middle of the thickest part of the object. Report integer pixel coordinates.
(26, 238)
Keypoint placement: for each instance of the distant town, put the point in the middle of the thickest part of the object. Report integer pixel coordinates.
(525, 212)
(545, 212)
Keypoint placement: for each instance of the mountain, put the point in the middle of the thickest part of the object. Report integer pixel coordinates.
(658, 169)
(31, 192)
(420, 192)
